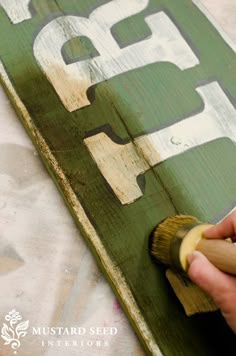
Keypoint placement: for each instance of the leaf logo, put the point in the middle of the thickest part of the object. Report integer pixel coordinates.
(14, 330)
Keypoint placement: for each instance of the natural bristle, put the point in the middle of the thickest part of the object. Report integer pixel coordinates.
(164, 233)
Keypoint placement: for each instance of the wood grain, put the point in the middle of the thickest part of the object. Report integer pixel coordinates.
(142, 100)
(222, 254)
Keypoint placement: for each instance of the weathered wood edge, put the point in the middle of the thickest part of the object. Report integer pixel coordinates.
(213, 21)
(112, 272)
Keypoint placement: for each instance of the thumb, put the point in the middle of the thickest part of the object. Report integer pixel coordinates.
(220, 286)
(216, 283)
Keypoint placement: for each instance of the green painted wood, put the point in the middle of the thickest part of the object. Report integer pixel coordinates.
(200, 181)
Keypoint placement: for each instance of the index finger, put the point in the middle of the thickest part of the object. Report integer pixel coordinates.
(226, 228)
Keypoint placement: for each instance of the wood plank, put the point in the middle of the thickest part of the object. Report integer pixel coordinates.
(146, 89)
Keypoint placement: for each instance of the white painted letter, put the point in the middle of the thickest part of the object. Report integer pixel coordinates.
(217, 120)
(72, 81)
(119, 164)
(17, 10)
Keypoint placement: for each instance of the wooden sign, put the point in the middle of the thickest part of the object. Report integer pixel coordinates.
(132, 106)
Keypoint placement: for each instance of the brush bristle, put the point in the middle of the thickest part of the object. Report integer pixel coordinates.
(164, 233)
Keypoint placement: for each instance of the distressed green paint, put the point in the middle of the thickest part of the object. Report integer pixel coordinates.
(200, 182)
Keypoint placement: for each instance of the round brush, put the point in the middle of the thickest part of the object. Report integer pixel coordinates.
(178, 236)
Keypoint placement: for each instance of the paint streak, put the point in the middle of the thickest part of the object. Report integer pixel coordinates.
(17, 10)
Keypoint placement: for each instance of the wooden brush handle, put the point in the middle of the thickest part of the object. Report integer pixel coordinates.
(220, 253)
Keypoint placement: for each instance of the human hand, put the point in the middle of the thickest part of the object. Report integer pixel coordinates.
(220, 286)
